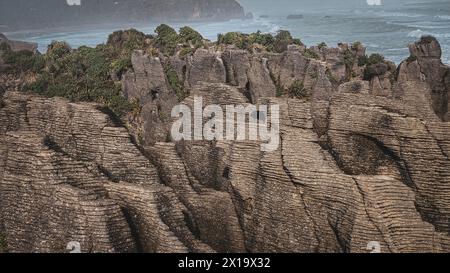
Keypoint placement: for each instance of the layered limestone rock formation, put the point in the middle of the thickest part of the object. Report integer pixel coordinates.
(356, 164)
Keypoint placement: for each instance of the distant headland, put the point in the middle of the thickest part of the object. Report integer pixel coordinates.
(24, 14)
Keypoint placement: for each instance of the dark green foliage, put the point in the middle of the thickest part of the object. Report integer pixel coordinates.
(128, 40)
(311, 54)
(349, 59)
(23, 61)
(297, 90)
(279, 43)
(121, 65)
(120, 46)
(427, 39)
(57, 50)
(264, 39)
(356, 45)
(370, 60)
(375, 66)
(81, 75)
(411, 59)
(322, 45)
(190, 37)
(235, 38)
(230, 38)
(375, 70)
(175, 82)
(167, 39)
(375, 59)
(5, 46)
(363, 60)
(186, 51)
(282, 40)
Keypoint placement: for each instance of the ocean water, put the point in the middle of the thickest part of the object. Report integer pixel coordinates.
(385, 29)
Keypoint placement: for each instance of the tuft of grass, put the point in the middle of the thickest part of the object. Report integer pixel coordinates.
(297, 90)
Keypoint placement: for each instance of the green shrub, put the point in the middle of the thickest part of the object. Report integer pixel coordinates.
(120, 66)
(5, 46)
(311, 54)
(129, 40)
(349, 59)
(81, 75)
(322, 45)
(189, 36)
(167, 39)
(375, 70)
(282, 40)
(186, 51)
(57, 50)
(297, 90)
(120, 46)
(265, 39)
(278, 44)
(427, 39)
(23, 61)
(363, 60)
(356, 45)
(375, 59)
(231, 38)
(370, 60)
(175, 82)
(411, 59)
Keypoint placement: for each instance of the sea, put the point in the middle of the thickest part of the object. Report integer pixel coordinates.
(383, 26)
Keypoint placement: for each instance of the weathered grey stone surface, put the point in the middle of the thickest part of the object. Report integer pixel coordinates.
(147, 86)
(356, 164)
(206, 66)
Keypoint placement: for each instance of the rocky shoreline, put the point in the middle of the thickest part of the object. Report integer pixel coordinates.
(364, 152)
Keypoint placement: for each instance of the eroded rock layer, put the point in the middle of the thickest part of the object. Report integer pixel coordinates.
(359, 161)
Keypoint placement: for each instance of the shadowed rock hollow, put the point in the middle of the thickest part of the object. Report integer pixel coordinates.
(362, 158)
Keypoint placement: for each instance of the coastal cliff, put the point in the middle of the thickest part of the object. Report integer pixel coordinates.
(364, 153)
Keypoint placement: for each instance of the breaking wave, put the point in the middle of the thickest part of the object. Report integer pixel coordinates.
(419, 33)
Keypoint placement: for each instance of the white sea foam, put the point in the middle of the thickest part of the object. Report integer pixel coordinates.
(418, 33)
(397, 14)
(443, 17)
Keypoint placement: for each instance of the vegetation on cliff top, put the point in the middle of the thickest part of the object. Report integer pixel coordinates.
(93, 74)
(167, 39)
(277, 43)
(87, 74)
